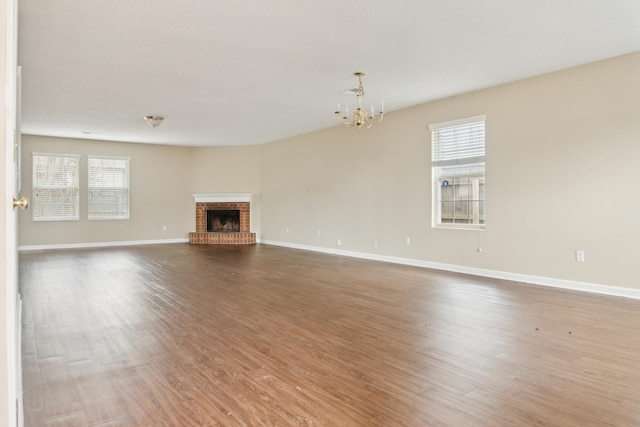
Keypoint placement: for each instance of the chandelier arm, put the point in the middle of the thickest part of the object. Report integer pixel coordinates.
(345, 119)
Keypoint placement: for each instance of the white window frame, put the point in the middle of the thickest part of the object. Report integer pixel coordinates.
(455, 159)
(101, 205)
(55, 187)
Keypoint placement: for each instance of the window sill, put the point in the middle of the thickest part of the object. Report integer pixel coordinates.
(459, 227)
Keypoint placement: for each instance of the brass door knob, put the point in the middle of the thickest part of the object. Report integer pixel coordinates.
(23, 202)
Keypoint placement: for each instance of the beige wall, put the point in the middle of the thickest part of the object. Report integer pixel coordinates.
(160, 178)
(562, 153)
(162, 181)
(562, 175)
(216, 170)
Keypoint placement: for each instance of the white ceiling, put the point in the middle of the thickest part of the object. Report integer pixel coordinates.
(254, 71)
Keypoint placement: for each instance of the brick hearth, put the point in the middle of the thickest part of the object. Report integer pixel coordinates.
(202, 237)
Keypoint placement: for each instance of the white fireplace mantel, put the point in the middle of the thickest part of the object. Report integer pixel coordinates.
(222, 197)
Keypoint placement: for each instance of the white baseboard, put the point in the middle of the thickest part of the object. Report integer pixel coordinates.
(495, 274)
(101, 244)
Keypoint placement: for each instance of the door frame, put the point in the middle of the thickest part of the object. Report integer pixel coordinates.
(10, 307)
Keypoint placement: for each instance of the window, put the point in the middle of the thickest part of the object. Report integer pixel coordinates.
(108, 187)
(458, 173)
(56, 195)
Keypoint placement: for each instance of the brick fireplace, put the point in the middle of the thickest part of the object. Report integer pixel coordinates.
(222, 203)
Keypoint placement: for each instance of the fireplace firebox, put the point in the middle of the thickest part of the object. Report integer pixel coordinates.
(223, 221)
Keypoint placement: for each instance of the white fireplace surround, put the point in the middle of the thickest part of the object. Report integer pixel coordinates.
(222, 197)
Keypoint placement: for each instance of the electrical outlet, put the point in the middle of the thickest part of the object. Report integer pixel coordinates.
(579, 256)
(375, 245)
(164, 228)
(407, 240)
(339, 242)
(286, 230)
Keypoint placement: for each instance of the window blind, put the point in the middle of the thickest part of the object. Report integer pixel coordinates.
(461, 143)
(108, 184)
(56, 195)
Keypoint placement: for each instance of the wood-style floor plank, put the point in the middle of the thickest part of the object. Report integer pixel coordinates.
(196, 335)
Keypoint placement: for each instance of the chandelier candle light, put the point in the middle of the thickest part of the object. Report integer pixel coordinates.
(360, 117)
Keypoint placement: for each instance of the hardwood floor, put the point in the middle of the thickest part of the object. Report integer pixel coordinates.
(190, 335)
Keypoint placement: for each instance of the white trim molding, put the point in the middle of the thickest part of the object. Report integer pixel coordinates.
(494, 274)
(222, 197)
(101, 244)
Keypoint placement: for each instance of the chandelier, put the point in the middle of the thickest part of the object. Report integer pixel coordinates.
(360, 117)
